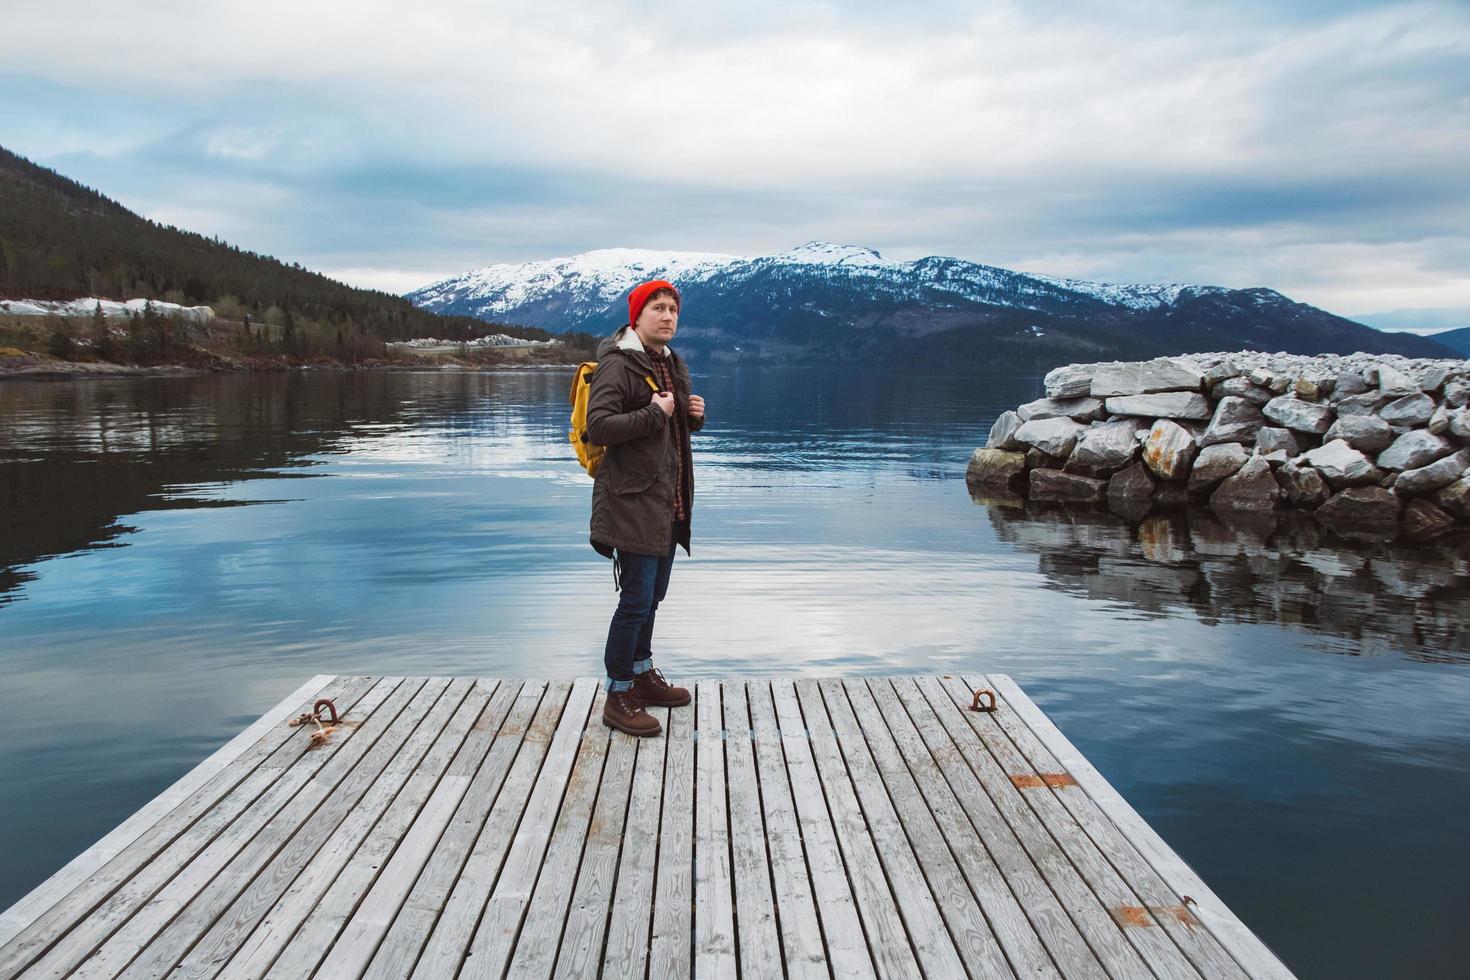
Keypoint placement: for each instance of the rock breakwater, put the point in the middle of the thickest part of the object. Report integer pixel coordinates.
(1363, 440)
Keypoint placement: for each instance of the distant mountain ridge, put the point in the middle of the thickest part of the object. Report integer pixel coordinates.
(823, 302)
(1458, 339)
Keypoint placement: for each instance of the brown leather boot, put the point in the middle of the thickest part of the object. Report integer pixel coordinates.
(623, 710)
(651, 688)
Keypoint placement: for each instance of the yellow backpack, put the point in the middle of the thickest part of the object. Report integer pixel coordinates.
(589, 454)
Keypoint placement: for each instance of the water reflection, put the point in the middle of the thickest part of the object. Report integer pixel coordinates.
(75, 458)
(1283, 569)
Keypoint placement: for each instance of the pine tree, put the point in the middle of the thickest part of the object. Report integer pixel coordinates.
(61, 343)
(102, 342)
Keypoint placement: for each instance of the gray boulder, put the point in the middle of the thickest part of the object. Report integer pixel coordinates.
(1349, 383)
(1252, 487)
(1170, 405)
(1413, 450)
(1036, 459)
(1055, 437)
(1366, 432)
(1427, 479)
(1003, 432)
(1358, 506)
(1410, 410)
(1242, 388)
(1454, 498)
(1302, 486)
(1168, 450)
(1067, 487)
(1108, 446)
(1276, 445)
(1439, 422)
(1135, 378)
(1215, 463)
(1393, 383)
(1460, 425)
(1431, 377)
(1457, 393)
(1080, 409)
(1341, 465)
(1131, 483)
(1295, 414)
(1364, 404)
(1235, 420)
(1221, 371)
(1069, 381)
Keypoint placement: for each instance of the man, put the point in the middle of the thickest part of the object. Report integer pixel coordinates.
(640, 407)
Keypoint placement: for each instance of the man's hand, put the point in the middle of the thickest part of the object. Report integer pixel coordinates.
(696, 407)
(665, 402)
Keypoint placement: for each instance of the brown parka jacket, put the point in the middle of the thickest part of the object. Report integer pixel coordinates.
(633, 494)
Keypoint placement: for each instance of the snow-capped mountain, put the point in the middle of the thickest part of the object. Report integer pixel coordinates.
(822, 301)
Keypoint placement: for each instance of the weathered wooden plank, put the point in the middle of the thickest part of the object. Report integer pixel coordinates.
(626, 953)
(902, 812)
(714, 908)
(755, 910)
(494, 939)
(671, 944)
(1247, 950)
(111, 894)
(801, 931)
(444, 953)
(898, 942)
(475, 772)
(580, 954)
(374, 711)
(203, 777)
(344, 817)
(387, 809)
(298, 829)
(540, 940)
(1028, 921)
(1087, 884)
(1082, 938)
(842, 930)
(865, 828)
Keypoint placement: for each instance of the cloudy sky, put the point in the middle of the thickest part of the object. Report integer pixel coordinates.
(1320, 148)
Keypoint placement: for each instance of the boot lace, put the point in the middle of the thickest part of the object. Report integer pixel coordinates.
(628, 702)
(655, 677)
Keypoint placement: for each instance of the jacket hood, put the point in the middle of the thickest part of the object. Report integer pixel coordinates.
(625, 340)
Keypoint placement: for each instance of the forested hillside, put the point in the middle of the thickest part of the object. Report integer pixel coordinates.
(60, 240)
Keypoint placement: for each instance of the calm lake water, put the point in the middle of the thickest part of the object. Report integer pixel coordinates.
(1291, 711)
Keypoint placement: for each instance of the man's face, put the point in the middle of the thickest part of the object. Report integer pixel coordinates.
(659, 321)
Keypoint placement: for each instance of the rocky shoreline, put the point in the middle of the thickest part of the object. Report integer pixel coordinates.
(1362, 440)
(39, 367)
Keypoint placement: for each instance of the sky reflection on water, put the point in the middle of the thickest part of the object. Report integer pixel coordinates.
(1288, 709)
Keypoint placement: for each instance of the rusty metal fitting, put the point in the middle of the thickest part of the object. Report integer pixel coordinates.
(325, 703)
(975, 704)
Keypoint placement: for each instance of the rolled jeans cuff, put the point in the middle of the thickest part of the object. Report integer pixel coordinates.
(613, 685)
(642, 666)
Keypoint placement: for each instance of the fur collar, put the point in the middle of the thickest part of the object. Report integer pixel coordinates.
(628, 340)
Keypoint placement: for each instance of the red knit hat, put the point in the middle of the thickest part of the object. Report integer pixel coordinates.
(638, 298)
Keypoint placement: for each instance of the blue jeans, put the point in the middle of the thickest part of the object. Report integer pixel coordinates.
(645, 581)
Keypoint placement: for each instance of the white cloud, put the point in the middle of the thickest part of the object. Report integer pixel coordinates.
(1090, 141)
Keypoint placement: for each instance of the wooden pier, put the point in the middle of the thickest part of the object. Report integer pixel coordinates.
(480, 827)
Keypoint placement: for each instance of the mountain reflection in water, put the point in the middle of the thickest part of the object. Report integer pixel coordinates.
(1284, 569)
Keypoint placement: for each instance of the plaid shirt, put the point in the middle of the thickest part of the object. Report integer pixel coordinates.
(664, 375)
